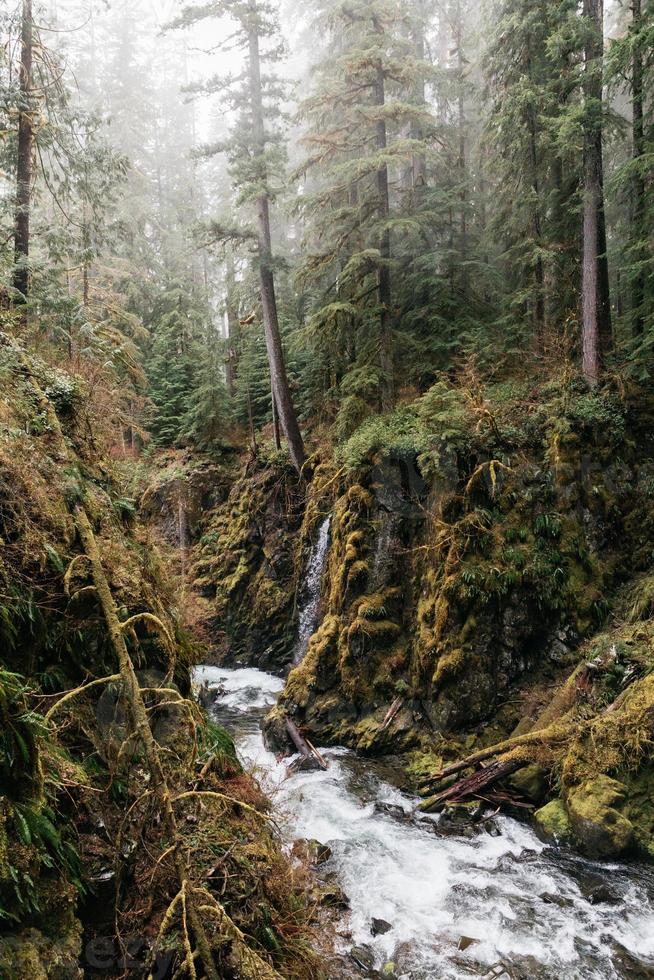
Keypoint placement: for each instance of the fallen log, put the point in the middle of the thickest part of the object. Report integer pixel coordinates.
(519, 745)
(305, 748)
(392, 713)
(472, 785)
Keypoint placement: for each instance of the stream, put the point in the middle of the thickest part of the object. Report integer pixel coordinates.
(491, 901)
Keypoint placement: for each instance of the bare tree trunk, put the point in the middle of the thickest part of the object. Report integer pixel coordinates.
(24, 158)
(233, 328)
(638, 214)
(277, 436)
(419, 161)
(384, 275)
(539, 272)
(461, 162)
(278, 375)
(596, 312)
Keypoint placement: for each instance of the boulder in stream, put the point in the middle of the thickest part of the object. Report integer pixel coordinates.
(379, 927)
(595, 811)
(364, 957)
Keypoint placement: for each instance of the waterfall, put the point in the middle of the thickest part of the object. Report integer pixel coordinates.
(310, 612)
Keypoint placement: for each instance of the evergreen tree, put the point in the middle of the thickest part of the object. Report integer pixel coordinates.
(172, 365)
(532, 81)
(254, 151)
(596, 305)
(631, 64)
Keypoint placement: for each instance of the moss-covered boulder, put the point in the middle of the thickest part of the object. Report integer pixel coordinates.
(34, 955)
(596, 815)
(553, 824)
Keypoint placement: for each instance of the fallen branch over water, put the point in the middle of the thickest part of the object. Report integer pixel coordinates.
(472, 785)
(304, 747)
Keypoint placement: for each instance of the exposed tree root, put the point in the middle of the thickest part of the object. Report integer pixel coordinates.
(80, 690)
(192, 905)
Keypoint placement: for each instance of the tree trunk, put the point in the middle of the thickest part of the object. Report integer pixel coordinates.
(461, 162)
(233, 328)
(384, 275)
(279, 379)
(277, 436)
(638, 230)
(419, 160)
(596, 311)
(24, 157)
(539, 271)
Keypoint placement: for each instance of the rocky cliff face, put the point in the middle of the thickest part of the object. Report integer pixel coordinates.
(469, 564)
(444, 592)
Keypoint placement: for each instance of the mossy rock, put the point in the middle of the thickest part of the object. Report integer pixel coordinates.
(31, 954)
(530, 782)
(553, 823)
(595, 810)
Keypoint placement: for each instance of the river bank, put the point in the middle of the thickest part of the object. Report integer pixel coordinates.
(462, 900)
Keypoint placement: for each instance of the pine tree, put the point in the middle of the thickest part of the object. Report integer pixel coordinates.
(24, 153)
(368, 125)
(172, 365)
(596, 307)
(631, 64)
(254, 154)
(532, 82)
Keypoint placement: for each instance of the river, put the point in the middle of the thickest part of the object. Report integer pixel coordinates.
(489, 902)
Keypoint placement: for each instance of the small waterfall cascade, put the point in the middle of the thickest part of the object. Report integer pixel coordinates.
(310, 612)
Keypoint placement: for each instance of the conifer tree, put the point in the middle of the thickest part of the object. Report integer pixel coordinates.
(631, 64)
(531, 83)
(596, 307)
(24, 153)
(366, 129)
(255, 152)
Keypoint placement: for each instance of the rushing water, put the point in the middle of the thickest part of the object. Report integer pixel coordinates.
(534, 911)
(310, 613)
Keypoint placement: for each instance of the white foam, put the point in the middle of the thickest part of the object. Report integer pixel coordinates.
(509, 892)
(245, 689)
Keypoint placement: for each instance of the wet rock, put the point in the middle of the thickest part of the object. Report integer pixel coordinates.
(631, 966)
(595, 814)
(364, 957)
(379, 927)
(531, 783)
(389, 971)
(310, 764)
(331, 896)
(465, 942)
(311, 852)
(394, 811)
(553, 824)
(491, 828)
(598, 892)
(559, 900)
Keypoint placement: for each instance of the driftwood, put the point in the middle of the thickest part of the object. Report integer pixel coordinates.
(305, 748)
(392, 714)
(472, 785)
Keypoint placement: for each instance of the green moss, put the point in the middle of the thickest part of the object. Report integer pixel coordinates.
(595, 809)
(553, 822)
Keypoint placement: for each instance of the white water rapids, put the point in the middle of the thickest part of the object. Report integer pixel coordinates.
(534, 911)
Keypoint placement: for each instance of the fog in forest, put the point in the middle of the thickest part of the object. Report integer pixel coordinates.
(326, 489)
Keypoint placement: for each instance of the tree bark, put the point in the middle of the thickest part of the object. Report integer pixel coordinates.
(461, 162)
(384, 275)
(638, 214)
(419, 160)
(596, 311)
(233, 328)
(21, 279)
(278, 375)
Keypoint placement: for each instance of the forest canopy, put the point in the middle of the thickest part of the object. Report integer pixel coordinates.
(254, 213)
